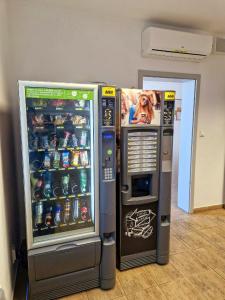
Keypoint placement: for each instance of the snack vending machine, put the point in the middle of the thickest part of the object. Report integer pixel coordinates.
(144, 144)
(68, 158)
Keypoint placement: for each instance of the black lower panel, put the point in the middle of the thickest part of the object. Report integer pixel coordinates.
(138, 228)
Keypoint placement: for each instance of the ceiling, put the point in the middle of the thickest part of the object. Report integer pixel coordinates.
(206, 15)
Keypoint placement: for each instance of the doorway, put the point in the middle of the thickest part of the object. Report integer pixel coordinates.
(186, 87)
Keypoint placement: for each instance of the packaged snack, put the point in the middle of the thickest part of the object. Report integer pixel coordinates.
(79, 120)
(39, 103)
(56, 160)
(65, 159)
(44, 142)
(38, 120)
(58, 103)
(75, 158)
(84, 158)
(47, 161)
(82, 103)
(66, 138)
(59, 120)
(73, 141)
(83, 138)
(53, 141)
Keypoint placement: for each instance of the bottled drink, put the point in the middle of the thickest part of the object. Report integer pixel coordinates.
(56, 160)
(75, 209)
(47, 185)
(58, 213)
(83, 181)
(83, 138)
(65, 184)
(67, 207)
(48, 217)
(38, 214)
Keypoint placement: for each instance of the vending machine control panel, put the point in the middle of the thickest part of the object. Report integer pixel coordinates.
(108, 139)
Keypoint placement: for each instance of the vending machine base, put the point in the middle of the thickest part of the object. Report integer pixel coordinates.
(137, 260)
(57, 271)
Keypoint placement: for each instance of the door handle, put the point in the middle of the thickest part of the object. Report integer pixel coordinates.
(66, 247)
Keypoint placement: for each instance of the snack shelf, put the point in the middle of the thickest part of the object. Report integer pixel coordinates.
(53, 109)
(75, 223)
(59, 149)
(60, 169)
(80, 195)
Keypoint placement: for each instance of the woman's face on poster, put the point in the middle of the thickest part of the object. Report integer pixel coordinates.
(144, 100)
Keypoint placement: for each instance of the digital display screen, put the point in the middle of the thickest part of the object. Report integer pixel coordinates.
(108, 136)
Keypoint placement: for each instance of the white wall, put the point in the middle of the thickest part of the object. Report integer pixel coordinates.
(53, 41)
(7, 217)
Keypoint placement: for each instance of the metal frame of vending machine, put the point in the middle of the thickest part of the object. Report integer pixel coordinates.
(144, 155)
(69, 189)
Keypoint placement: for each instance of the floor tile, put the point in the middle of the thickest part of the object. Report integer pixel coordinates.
(152, 293)
(181, 289)
(163, 274)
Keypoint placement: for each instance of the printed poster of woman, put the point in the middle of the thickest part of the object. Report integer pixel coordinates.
(140, 107)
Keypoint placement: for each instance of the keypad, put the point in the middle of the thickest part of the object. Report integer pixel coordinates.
(108, 174)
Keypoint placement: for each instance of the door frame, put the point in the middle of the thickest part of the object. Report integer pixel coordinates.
(197, 78)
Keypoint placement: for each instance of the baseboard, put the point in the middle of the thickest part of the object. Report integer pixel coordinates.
(211, 207)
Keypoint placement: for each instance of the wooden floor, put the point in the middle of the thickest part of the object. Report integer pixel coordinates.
(196, 269)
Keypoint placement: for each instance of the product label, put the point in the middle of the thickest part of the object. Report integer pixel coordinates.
(108, 91)
(170, 96)
(58, 93)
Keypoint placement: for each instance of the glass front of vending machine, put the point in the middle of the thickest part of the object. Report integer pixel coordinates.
(60, 156)
(59, 145)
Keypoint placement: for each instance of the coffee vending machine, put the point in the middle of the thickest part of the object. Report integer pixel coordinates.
(68, 141)
(144, 155)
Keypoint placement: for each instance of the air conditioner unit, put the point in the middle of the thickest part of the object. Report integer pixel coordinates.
(176, 44)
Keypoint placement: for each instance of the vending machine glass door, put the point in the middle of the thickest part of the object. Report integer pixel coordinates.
(60, 146)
